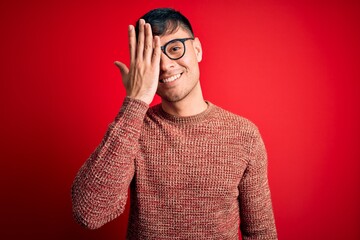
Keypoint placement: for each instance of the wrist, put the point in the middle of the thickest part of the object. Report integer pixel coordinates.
(144, 98)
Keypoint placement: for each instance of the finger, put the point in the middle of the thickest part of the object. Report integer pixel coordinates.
(122, 67)
(132, 43)
(157, 51)
(148, 45)
(140, 40)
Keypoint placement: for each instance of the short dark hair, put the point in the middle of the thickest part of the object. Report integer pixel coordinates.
(164, 21)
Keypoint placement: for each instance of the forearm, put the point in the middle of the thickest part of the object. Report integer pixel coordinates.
(99, 191)
(257, 218)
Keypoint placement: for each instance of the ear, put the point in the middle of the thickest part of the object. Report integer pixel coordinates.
(198, 49)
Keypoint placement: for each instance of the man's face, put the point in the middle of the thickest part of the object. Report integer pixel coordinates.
(179, 78)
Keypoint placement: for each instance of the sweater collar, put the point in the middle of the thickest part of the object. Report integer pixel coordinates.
(188, 119)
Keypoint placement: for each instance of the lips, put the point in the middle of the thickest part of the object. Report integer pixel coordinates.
(171, 78)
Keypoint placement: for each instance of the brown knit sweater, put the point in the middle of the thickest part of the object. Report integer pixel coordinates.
(189, 177)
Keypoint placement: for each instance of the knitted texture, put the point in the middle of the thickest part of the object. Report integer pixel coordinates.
(189, 177)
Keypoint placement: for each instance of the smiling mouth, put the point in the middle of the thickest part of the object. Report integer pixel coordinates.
(170, 79)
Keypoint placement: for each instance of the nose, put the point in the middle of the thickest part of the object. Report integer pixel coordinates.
(166, 63)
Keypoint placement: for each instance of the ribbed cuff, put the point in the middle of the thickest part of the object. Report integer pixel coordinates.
(132, 111)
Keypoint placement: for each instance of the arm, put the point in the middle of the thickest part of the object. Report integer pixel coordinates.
(100, 188)
(99, 191)
(256, 213)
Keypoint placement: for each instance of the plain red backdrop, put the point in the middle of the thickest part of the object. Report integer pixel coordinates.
(292, 67)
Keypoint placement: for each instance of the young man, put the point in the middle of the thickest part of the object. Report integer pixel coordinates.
(195, 171)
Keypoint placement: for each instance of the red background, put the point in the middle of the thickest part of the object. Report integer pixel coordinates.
(291, 67)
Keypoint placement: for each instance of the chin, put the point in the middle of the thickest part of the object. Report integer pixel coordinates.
(173, 98)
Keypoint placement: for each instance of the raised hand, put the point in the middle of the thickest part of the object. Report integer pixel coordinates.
(141, 80)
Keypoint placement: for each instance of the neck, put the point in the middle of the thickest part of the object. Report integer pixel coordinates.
(191, 105)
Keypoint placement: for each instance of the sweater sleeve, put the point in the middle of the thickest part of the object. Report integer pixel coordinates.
(99, 191)
(256, 213)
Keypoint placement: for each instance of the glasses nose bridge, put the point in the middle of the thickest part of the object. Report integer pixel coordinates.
(163, 50)
(165, 61)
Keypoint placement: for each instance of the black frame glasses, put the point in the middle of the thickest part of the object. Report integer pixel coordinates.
(182, 40)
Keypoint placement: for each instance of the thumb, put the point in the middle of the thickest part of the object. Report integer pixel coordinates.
(122, 67)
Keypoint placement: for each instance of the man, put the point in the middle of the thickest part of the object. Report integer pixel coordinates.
(195, 171)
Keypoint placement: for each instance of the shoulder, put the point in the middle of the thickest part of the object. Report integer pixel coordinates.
(235, 121)
(245, 132)
(240, 131)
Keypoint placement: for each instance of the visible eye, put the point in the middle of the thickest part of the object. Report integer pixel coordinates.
(174, 49)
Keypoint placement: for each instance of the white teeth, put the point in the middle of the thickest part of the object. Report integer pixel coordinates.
(170, 79)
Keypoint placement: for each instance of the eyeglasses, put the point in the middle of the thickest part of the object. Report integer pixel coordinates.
(175, 49)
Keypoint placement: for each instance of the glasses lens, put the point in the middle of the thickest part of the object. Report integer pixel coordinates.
(175, 49)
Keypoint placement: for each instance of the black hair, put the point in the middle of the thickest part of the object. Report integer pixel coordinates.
(164, 21)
